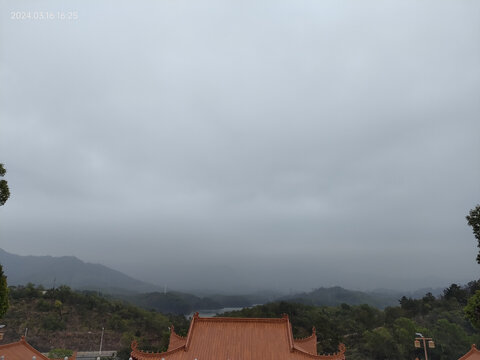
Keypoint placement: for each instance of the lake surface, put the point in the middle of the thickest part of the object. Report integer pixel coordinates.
(213, 312)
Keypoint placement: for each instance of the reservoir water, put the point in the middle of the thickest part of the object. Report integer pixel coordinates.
(213, 312)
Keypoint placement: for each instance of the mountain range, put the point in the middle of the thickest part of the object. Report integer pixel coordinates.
(50, 271)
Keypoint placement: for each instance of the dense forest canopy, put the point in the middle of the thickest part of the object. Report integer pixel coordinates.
(63, 318)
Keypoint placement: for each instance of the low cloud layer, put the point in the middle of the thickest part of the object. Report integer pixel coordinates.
(275, 144)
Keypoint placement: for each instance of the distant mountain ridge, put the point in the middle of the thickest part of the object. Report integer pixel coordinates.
(79, 275)
(70, 271)
(336, 295)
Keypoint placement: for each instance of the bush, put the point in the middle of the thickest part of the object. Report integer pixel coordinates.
(59, 353)
(53, 323)
(44, 306)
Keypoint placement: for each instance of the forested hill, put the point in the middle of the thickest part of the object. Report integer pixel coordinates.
(336, 295)
(184, 303)
(374, 334)
(63, 318)
(70, 271)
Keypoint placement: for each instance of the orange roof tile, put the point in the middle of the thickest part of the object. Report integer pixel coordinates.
(238, 338)
(175, 339)
(22, 350)
(309, 344)
(473, 354)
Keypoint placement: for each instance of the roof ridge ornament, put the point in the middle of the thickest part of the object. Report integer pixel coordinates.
(134, 345)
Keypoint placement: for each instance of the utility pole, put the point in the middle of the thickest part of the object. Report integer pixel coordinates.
(424, 339)
(101, 342)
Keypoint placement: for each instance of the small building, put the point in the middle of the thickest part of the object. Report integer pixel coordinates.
(22, 350)
(473, 354)
(238, 339)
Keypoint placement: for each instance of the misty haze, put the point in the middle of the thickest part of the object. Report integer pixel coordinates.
(239, 180)
(237, 147)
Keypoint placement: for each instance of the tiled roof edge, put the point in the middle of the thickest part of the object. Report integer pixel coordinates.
(307, 338)
(24, 342)
(139, 354)
(172, 332)
(340, 355)
(472, 350)
(3, 346)
(234, 319)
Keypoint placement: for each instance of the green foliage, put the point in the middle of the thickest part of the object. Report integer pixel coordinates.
(372, 334)
(59, 353)
(52, 322)
(473, 220)
(56, 312)
(379, 343)
(4, 303)
(367, 332)
(173, 302)
(4, 190)
(451, 340)
(336, 295)
(44, 306)
(472, 310)
(456, 292)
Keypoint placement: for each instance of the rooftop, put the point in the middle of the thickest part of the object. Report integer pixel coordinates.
(238, 338)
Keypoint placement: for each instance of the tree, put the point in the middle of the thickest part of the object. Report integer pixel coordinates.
(472, 310)
(3, 293)
(474, 221)
(456, 292)
(4, 195)
(4, 190)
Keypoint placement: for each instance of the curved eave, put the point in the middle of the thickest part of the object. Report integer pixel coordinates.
(473, 350)
(340, 355)
(141, 355)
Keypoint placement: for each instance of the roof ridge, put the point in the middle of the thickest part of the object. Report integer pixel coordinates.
(135, 351)
(172, 332)
(339, 355)
(306, 338)
(291, 343)
(178, 336)
(472, 350)
(190, 330)
(235, 319)
(24, 342)
(2, 346)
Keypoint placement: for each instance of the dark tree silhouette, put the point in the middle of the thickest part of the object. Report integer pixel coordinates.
(4, 190)
(474, 221)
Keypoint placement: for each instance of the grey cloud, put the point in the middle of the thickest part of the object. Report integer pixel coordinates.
(248, 135)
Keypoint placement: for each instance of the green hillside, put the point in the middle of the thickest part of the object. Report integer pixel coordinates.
(63, 318)
(337, 295)
(373, 334)
(172, 302)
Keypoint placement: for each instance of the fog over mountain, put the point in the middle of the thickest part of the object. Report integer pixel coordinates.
(244, 145)
(52, 272)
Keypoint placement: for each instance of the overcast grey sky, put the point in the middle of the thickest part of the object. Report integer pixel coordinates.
(242, 144)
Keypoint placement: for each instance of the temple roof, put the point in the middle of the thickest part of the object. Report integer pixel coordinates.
(238, 338)
(473, 354)
(22, 350)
